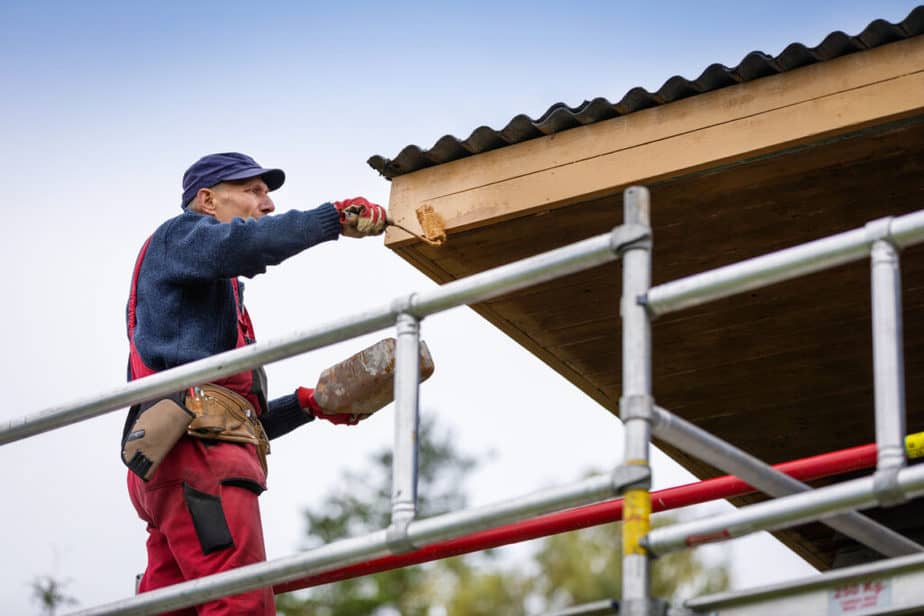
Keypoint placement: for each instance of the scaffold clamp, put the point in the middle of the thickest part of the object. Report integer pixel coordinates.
(628, 476)
(887, 488)
(879, 229)
(397, 538)
(629, 236)
(637, 406)
(650, 606)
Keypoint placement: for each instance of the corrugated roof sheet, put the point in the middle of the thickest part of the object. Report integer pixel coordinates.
(561, 117)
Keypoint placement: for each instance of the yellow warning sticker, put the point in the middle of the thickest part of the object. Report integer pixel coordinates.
(914, 445)
(636, 520)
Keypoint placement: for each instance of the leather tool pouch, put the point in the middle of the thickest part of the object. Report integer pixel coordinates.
(153, 435)
(225, 415)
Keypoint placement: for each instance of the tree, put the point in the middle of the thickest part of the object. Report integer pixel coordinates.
(362, 504)
(570, 568)
(481, 589)
(586, 565)
(49, 593)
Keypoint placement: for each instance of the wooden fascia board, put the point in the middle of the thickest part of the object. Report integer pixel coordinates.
(706, 130)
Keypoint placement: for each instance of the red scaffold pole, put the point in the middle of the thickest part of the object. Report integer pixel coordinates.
(728, 486)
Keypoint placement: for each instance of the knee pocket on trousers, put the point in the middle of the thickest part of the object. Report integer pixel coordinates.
(243, 482)
(209, 520)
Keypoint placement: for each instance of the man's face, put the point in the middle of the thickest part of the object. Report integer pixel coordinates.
(241, 199)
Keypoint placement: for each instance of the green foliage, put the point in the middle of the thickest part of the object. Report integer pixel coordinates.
(482, 590)
(586, 565)
(362, 501)
(49, 593)
(568, 569)
(361, 504)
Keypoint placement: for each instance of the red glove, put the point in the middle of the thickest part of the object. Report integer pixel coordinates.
(359, 217)
(307, 401)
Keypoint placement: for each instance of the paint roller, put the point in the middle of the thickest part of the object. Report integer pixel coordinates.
(431, 223)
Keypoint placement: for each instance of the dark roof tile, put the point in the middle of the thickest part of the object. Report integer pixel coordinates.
(560, 117)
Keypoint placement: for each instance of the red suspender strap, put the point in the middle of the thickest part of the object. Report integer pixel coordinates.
(137, 367)
(133, 295)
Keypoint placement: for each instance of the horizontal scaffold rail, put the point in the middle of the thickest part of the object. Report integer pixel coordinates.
(349, 551)
(728, 458)
(470, 290)
(368, 554)
(784, 264)
(783, 512)
(885, 587)
(805, 469)
(890, 586)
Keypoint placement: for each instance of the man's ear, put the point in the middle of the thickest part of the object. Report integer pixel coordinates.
(205, 201)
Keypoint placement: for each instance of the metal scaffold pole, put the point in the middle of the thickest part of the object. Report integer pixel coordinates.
(404, 459)
(888, 370)
(636, 405)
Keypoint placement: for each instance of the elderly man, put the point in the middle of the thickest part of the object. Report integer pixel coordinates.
(198, 490)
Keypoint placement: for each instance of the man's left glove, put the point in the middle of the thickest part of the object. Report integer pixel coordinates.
(359, 217)
(307, 401)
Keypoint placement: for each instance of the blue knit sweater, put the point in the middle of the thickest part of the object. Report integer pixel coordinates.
(185, 300)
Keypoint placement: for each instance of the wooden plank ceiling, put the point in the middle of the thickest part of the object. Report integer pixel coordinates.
(783, 372)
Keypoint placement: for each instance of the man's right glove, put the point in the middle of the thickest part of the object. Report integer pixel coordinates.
(306, 401)
(359, 217)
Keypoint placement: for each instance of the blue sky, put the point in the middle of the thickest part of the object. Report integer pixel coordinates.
(104, 106)
(172, 73)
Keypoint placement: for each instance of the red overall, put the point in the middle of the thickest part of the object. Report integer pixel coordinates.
(201, 504)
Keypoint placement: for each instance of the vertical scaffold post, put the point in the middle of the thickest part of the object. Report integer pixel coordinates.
(888, 369)
(636, 404)
(404, 460)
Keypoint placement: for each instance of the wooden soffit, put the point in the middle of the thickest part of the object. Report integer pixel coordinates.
(783, 372)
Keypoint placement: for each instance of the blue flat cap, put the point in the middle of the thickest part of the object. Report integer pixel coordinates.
(216, 168)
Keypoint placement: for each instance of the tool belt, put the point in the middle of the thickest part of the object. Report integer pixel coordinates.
(153, 435)
(225, 415)
(210, 412)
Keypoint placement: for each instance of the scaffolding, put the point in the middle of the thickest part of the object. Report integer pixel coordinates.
(887, 586)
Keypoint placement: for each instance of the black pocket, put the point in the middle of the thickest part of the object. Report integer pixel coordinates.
(209, 519)
(243, 482)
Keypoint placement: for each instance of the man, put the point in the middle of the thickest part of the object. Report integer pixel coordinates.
(200, 500)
